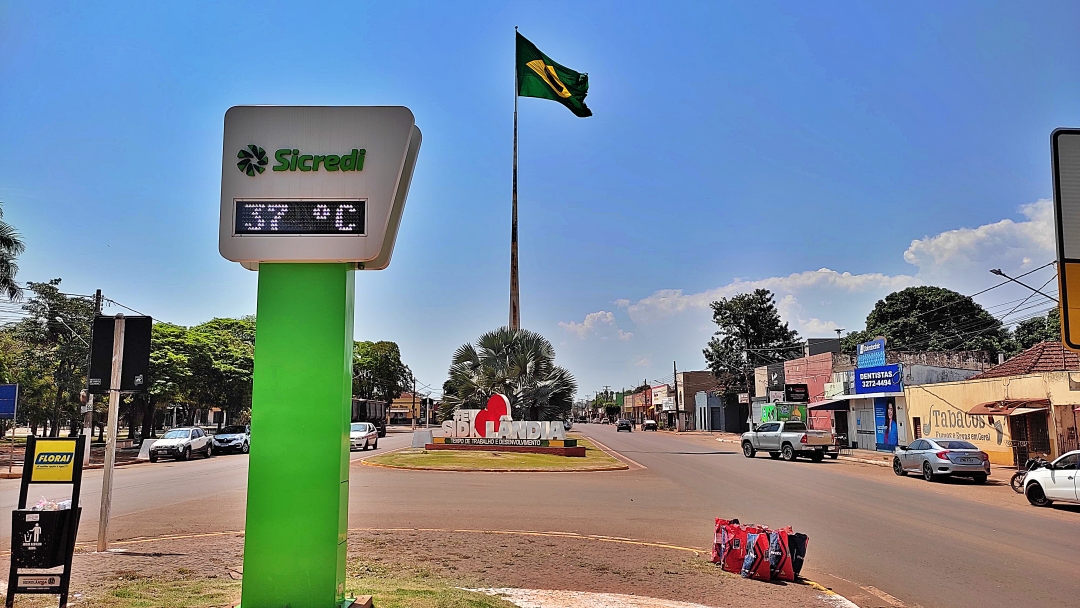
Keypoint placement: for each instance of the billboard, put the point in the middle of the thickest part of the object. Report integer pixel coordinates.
(882, 379)
(885, 425)
(9, 399)
(871, 354)
(780, 411)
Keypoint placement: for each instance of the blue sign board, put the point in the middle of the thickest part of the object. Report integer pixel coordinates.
(881, 379)
(871, 354)
(9, 396)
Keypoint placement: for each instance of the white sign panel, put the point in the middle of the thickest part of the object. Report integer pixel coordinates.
(315, 184)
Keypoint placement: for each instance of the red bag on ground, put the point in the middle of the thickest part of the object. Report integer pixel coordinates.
(756, 562)
(733, 545)
(780, 555)
(718, 541)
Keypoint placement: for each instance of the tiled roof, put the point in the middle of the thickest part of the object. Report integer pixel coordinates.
(1043, 357)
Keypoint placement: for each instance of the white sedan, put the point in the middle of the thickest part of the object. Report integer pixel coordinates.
(1058, 481)
(362, 435)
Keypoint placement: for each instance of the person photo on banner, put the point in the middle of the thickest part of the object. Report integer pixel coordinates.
(891, 434)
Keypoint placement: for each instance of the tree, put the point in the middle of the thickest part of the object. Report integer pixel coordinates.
(929, 318)
(378, 372)
(11, 246)
(517, 363)
(750, 334)
(1030, 332)
(52, 350)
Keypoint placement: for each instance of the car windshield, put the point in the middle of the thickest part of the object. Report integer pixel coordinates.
(233, 430)
(956, 445)
(177, 434)
(359, 427)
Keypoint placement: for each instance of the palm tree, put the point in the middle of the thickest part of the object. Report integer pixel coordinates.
(11, 245)
(517, 363)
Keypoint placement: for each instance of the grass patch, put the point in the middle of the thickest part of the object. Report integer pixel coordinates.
(391, 586)
(450, 460)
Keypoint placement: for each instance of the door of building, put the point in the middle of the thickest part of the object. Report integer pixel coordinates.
(865, 426)
(716, 418)
(840, 423)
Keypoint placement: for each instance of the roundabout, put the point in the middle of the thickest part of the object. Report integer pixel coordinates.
(595, 459)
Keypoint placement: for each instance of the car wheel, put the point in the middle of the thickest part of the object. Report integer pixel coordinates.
(774, 455)
(927, 471)
(376, 446)
(898, 467)
(186, 454)
(980, 478)
(209, 450)
(245, 448)
(787, 452)
(153, 458)
(817, 457)
(1036, 495)
(748, 449)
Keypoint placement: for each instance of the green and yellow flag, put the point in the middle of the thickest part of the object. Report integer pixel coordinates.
(539, 76)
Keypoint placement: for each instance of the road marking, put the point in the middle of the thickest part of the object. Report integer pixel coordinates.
(613, 453)
(884, 596)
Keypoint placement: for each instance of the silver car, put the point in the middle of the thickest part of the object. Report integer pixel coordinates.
(935, 457)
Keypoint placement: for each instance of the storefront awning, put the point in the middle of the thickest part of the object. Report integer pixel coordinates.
(1009, 407)
(830, 405)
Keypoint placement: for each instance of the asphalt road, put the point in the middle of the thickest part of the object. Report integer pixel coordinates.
(876, 538)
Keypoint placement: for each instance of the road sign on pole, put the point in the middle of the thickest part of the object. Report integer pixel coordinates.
(308, 195)
(1065, 157)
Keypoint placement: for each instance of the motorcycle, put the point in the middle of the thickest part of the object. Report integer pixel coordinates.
(1017, 481)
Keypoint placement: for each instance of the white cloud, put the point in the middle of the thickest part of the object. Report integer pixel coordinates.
(948, 258)
(667, 302)
(672, 324)
(600, 323)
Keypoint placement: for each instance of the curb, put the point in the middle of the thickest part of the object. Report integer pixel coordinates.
(622, 467)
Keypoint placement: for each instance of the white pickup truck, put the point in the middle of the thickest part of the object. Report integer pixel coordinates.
(789, 440)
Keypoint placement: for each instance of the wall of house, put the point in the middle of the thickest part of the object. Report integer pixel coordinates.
(941, 410)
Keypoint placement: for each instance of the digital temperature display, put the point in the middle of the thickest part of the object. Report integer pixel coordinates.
(299, 217)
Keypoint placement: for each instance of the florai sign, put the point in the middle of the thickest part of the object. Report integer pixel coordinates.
(495, 425)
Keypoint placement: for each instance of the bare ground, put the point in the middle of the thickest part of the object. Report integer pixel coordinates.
(467, 559)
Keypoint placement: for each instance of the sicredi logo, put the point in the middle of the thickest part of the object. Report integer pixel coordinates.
(59, 459)
(869, 347)
(253, 160)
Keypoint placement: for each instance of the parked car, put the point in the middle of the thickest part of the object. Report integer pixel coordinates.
(788, 439)
(181, 443)
(363, 435)
(1060, 480)
(935, 457)
(236, 438)
(624, 425)
(649, 425)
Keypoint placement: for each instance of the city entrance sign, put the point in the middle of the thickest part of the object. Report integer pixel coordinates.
(306, 226)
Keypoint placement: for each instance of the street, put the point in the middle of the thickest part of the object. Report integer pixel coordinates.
(876, 538)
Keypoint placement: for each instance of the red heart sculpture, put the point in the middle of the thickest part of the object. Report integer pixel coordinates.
(497, 407)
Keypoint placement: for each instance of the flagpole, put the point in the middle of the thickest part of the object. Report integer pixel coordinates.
(515, 311)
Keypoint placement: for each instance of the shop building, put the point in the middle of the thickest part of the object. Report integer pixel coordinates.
(1027, 406)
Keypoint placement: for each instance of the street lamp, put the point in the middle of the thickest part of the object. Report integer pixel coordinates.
(998, 272)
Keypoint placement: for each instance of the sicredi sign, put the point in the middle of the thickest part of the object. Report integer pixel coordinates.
(315, 184)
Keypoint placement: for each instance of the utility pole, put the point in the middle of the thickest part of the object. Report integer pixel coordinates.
(110, 440)
(412, 409)
(88, 407)
(675, 382)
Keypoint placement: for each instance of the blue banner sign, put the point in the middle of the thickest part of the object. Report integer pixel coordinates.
(9, 396)
(871, 354)
(881, 379)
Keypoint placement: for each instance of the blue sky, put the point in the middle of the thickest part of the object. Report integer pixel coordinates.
(733, 145)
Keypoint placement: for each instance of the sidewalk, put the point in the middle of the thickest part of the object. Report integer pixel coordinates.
(881, 459)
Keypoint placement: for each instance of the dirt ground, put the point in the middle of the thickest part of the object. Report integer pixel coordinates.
(470, 559)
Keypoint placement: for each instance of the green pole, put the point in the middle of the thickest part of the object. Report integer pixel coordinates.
(298, 472)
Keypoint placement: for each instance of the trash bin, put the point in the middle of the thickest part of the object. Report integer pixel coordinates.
(40, 538)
